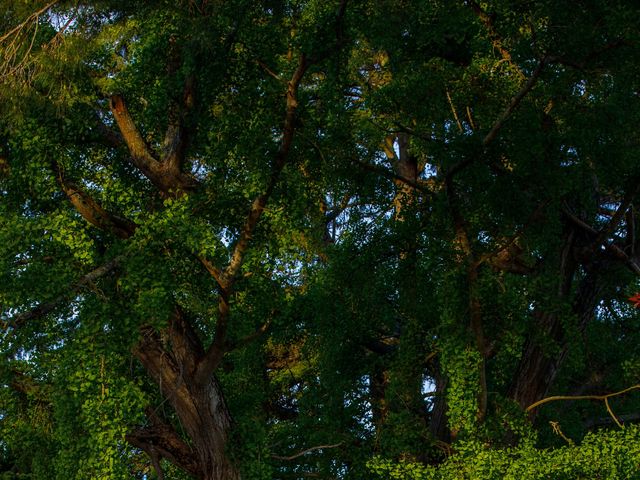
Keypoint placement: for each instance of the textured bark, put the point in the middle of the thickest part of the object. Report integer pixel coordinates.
(165, 173)
(170, 357)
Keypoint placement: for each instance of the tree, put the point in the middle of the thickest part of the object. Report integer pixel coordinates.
(273, 240)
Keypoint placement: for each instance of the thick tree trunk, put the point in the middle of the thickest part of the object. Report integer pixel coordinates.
(171, 357)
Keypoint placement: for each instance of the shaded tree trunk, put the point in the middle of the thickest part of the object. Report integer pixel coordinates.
(539, 366)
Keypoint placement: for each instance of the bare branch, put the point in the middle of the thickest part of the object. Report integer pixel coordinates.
(33, 17)
(603, 398)
(16, 44)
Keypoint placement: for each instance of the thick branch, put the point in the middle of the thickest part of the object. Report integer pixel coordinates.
(160, 440)
(92, 211)
(140, 152)
(166, 177)
(176, 136)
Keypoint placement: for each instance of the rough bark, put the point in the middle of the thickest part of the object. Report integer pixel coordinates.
(170, 357)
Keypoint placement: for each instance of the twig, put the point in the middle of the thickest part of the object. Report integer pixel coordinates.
(604, 398)
(304, 452)
(453, 110)
(31, 17)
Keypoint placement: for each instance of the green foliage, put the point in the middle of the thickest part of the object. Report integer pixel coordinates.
(379, 213)
(608, 455)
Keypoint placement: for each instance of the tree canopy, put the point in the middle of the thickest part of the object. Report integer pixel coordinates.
(340, 239)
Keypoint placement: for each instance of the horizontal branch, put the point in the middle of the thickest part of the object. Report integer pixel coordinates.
(423, 186)
(304, 452)
(556, 398)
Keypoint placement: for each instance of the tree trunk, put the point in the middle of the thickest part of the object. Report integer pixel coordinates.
(538, 366)
(171, 357)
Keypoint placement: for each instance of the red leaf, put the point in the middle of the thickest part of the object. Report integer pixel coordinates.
(635, 300)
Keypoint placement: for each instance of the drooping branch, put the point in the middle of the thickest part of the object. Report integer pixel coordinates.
(14, 58)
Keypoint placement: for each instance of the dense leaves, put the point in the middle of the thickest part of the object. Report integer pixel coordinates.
(333, 239)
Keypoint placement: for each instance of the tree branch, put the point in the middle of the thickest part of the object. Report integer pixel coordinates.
(47, 307)
(226, 279)
(304, 452)
(160, 440)
(612, 248)
(92, 211)
(488, 21)
(515, 101)
(176, 136)
(604, 398)
(166, 177)
(140, 152)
